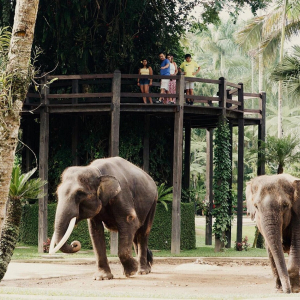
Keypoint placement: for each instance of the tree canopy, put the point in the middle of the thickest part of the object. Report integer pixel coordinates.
(88, 36)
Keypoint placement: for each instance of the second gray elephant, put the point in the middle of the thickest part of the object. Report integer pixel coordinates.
(114, 192)
(274, 202)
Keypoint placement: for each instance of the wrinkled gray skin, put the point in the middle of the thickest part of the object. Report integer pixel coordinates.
(120, 195)
(274, 202)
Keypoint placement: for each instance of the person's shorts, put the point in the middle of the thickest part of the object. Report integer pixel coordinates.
(144, 81)
(189, 85)
(164, 84)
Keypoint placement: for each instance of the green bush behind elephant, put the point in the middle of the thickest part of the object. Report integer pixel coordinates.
(159, 239)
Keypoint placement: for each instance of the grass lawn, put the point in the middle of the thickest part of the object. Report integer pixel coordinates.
(24, 252)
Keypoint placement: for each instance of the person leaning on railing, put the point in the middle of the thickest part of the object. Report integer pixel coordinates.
(190, 69)
(144, 83)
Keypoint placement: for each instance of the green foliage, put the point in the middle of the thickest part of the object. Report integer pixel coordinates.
(160, 235)
(161, 232)
(100, 36)
(289, 71)
(164, 194)
(22, 187)
(222, 174)
(279, 152)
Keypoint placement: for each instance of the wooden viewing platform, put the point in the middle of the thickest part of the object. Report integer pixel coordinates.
(108, 94)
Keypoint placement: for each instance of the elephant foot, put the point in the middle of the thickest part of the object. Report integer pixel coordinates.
(144, 271)
(130, 267)
(295, 285)
(102, 275)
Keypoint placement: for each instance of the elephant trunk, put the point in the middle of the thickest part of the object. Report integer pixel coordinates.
(60, 237)
(273, 236)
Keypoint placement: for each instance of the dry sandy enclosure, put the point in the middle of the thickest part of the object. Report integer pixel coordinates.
(192, 278)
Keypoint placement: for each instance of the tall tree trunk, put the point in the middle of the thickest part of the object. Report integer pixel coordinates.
(260, 71)
(280, 129)
(13, 94)
(10, 234)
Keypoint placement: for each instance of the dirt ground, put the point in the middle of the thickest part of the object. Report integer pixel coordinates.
(207, 278)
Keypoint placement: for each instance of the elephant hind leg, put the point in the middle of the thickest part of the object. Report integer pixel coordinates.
(145, 256)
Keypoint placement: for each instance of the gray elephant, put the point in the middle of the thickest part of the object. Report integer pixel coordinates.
(274, 202)
(114, 192)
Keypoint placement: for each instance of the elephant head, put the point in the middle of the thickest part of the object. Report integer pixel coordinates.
(273, 201)
(81, 195)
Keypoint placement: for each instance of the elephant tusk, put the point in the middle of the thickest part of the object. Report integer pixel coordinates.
(64, 238)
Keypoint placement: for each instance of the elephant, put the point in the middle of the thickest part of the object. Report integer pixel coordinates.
(274, 202)
(116, 193)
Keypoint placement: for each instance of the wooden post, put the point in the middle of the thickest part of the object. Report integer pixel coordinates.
(240, 176)
(146, 144)
(209, 185)
(177, 168)
(75, 141)
(223, 97)
(262, 135)
(43, 169)
(187, 156)
(75, 125)
(228, 232)
(114, 139)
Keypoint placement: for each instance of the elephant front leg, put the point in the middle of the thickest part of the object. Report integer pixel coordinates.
(294, 255)
(275, 272)
(130, 265)
(96, 230)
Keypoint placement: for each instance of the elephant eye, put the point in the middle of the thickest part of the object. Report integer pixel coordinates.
(255, 205)
(285, 205)
(81, 193)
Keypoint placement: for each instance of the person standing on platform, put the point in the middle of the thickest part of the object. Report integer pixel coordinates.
(190, 69)
(172, 83)
(144, 83)
(164, 70)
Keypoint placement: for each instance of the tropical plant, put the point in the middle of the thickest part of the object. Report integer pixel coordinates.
(165, 194)
(289, 72)
(21, 188)
(266, 33)
(222, 174)
(279, 152)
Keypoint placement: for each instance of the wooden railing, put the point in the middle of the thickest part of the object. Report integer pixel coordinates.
(98, 89)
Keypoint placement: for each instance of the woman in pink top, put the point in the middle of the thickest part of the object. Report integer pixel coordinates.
(172, 83)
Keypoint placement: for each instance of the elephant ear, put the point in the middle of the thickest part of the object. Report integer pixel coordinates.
(296, 202)
(109, 187)
(250, 201)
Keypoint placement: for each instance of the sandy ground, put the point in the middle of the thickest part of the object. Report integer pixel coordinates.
(170, 279)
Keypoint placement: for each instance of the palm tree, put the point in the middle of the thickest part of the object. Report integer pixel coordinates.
(13, 91)
(289, 71)
(266, 33)
(21, 188)
(279, 152)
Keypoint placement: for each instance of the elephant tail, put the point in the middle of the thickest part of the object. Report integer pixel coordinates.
(149, 257)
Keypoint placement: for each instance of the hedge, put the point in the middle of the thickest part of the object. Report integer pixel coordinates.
(160, 235)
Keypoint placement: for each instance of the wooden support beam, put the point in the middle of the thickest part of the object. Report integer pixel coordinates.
(75, 89)
(209, 185)
(177, 168)
(187, 156)
(262, 135)
(223, 96)
(75, 141)
(43, 170)
(240, 176)
(114, 139)
(146, 150)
